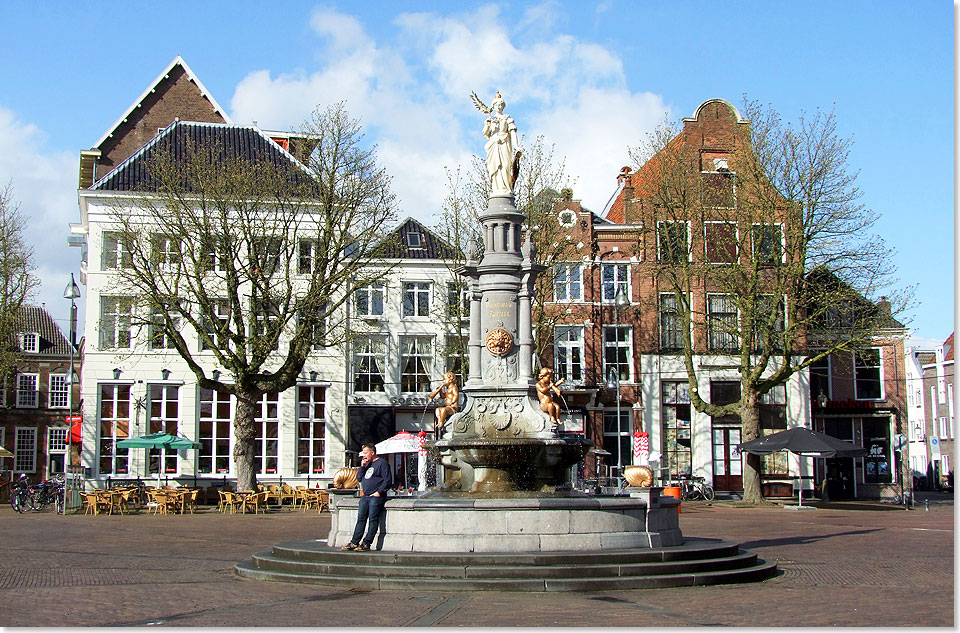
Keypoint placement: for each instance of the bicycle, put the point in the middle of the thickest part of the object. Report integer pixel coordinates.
(693, 488)
(20, 494)
(47, 492)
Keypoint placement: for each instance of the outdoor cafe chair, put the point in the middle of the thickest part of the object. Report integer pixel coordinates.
(188, 500)
(273, 492)
(230, 502)
(286, 492)
(94, 503)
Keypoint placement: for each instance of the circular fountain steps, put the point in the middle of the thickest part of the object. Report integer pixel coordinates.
(696, 562)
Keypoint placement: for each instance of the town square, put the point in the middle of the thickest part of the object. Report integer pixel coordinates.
(501, 315)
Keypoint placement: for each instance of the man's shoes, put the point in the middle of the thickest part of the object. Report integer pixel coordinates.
(350, 547)
(362, 547)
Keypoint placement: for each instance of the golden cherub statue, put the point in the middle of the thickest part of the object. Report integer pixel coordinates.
(451, 395)
(546, 389)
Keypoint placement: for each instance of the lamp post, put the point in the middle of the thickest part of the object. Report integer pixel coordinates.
(71, 292)
(613, 375)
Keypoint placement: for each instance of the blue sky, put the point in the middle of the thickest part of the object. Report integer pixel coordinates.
(591, 77)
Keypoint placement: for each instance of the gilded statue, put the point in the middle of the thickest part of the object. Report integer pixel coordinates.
(451, 398)
(502, 146)
(546, 390)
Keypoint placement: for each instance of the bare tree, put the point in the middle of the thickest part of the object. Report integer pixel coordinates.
(767, 254)
(17, 280)
(254, 259)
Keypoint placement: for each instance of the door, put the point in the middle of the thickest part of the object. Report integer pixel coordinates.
(840, 478)
(727, 463)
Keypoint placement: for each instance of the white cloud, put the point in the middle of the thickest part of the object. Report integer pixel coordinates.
(45, 185)
(411, 95)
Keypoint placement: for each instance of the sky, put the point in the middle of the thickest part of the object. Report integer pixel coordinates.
(591, 77)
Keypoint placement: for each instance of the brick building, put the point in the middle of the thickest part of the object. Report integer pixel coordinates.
(33, 417)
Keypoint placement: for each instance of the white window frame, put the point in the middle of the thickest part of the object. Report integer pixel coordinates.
(624, 430)
(114, 423)
(660, 225)
(369, 293)
(55, 391)
(25, 449)
(616, 345)
(307, 256)
(57, 439)
(829, 392)
(164, 420)
(416, 289)
(950, 400)
(736, 342)
(679, 328)
(373, 348)
(214, 437)
(425, 356)
(565, 285)
(309, 407)
(165, 252)
(115, 322)
(783, 240)
(414, 243)
(880, 362)
(566, 349)
(269, 413)
(736, 245)
(115, 254)
(617, 283)
(221, 309)
(30, 342)
(28, 397)
(156, 318)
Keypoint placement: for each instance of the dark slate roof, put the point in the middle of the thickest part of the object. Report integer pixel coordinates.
(431, 246)
(230, 142)
(37, 319)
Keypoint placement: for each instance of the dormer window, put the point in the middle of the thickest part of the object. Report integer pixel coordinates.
(30, 342)
(413, 240)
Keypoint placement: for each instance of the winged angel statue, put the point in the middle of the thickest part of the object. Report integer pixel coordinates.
(503, 145)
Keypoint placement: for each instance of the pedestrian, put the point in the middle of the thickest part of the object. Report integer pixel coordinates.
(375, 480)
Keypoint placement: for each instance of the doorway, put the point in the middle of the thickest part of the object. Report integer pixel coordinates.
(727, 462)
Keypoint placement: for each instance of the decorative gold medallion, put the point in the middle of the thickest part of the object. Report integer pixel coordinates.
(499, 342)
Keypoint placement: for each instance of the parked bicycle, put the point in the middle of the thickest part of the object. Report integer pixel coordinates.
(20, 494)
(693, 488)
(47, 492)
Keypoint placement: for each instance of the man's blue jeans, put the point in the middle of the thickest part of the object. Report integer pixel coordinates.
(370, 508)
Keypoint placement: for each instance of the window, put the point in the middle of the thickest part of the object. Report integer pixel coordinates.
(25, 450)
(116, 252)
(267, 325)
(369, 360)
(617, 352)
(867, 374)
(369, 300)
(567, 282)
(115, 316)
(614, 278)
(216, 415)
(311, 429)
(876, 439)
(56, 439)
(318, 332)
(58, 394)
(720, 242)
(719, 189)
(416, 354)
(933, 398)
(457, 357)
(164, 407)
(30, 342)
(942, 431)
(28, 391)
(950, 399)
(768, 244)
(568, 351)
(160, 337)
(413, 240)
(671, 326)
(416, 299)
(773, 419)
(266, 256)
(721, 324)
(166, 251)
(675, 421)
(458, 300)
(673, 244)
(212, 256)
(766, 307)
(617, 438)
(267, 442)
(216, 327)
(307, 260)
(820, 378)
(114, 426)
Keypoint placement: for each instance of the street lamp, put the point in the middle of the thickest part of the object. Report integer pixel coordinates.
(613, 375)
(71, 292)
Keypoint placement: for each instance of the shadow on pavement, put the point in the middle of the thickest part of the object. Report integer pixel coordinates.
(800, 540)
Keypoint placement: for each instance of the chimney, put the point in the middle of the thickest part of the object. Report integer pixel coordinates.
(884, 305)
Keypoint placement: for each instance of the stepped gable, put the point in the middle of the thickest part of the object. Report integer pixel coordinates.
(179, 139)
(427, 246)
(37, 319)
(175, 93)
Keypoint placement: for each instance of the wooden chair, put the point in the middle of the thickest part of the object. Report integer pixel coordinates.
(93, 503)
(229, 502)
(323, 500)
(298, 496)
(273, 492)
(309, 498)
(286, 492)
(255, 500)
(189, 500)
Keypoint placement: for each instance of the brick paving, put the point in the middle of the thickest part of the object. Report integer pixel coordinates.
(854, 564)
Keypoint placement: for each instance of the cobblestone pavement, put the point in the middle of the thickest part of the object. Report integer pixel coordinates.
(854, 564)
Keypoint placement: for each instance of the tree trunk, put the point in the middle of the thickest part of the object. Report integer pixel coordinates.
(750, 430)
(245, 435)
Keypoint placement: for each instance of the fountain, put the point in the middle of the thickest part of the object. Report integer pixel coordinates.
(505, 505)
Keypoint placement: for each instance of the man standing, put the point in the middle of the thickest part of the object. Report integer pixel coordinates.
(375, 479)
